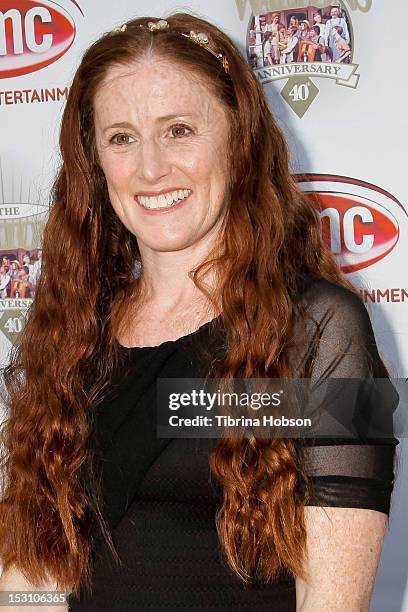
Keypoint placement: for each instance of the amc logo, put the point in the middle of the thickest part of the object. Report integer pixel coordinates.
(360, 222)
(33, 35)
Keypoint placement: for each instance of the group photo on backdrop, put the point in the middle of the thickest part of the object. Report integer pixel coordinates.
(310, 35)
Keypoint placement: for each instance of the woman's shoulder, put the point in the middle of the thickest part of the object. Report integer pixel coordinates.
(316, 292)
(338, 318)
(326, 300)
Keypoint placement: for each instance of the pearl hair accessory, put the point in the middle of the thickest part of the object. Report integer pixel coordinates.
(158, 25)
(119, 29)
(202, 39)
(198, 38)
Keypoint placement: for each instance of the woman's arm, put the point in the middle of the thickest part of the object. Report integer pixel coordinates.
(343, 551)
(13, 580)
(352, 477)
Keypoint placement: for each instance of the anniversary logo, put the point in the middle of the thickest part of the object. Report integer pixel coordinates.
(21, 225)
(294, 40)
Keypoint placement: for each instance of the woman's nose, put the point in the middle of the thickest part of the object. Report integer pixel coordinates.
(153, 161)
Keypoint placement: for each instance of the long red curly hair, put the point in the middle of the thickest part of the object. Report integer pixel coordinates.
(271, 232)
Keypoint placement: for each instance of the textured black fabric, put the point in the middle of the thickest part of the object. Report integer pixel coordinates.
(160, 498)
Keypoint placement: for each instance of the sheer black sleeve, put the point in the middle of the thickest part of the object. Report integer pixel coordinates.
(351, 471)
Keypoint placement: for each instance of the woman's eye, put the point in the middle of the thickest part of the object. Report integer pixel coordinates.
(180, 130)
(120, 139)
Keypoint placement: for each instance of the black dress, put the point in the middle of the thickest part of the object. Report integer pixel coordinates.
(160, 499)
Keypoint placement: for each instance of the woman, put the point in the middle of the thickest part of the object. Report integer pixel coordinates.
(274, 28)
(317, 21)
(4, 281)
(267, 50)
(282, 42)
(343, 49)
(294, 23)
(191, 252)
(27, 262)
(14, 272)
(290, 52)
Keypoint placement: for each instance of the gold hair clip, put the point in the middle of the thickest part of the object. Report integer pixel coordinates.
(202, 39)
(197, 37)
(162, 24)
(119, 29)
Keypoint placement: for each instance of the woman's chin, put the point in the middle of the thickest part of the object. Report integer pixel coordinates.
(166, 244)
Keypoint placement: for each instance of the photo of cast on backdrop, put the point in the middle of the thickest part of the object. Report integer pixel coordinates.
(19, 273)
(307, 35)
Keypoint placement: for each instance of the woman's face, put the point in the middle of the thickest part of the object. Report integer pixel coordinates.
(159, 130)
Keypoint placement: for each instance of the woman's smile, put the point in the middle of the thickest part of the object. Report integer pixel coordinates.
(163, 202)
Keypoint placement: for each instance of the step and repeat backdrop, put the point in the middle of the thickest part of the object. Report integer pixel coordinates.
(333, 73)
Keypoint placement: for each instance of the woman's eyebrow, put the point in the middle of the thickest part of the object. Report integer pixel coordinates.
(174, 116)
(121, 124)
(126, 124)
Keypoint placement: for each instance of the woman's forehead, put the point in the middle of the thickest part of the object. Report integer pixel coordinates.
(154, 77)
(158, 90)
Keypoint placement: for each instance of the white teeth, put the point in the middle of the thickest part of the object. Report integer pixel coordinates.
(164, 200)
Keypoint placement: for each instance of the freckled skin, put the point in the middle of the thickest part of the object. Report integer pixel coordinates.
(343, 552)
(189, 151)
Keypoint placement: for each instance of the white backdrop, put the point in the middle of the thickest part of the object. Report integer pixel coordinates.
(346, 125)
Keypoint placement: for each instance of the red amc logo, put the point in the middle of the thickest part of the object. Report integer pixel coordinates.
(360, 222)
(33, 35)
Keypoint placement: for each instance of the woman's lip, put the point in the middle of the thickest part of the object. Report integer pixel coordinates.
(155, 194)
(162, 211)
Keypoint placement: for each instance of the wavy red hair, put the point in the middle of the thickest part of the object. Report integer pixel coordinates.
(271, 232)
